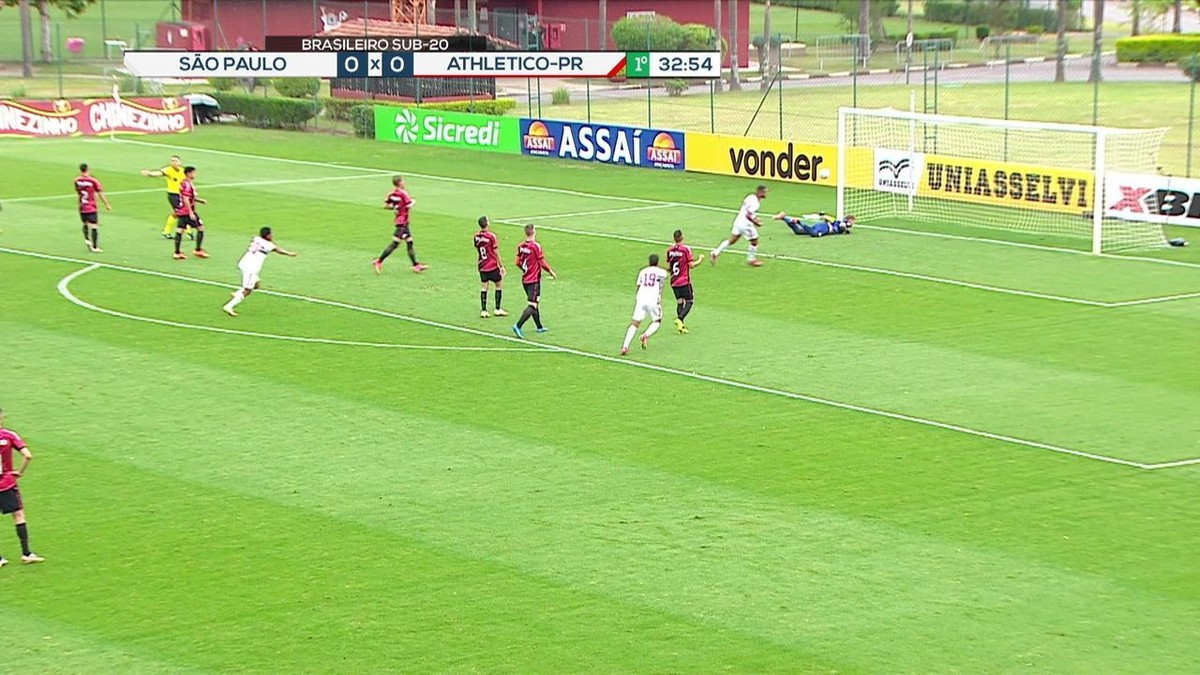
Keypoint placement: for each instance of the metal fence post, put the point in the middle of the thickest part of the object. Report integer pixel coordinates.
(588, 88)
(712, 106)
(779, 94)
(103, 28)
(59, 59)
(539, 96)
(1007, 74)
(1191, 114)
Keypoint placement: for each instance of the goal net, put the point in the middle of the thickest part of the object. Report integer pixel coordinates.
(1042, 180)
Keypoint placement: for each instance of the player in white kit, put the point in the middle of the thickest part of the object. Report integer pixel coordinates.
(745, 225)
(251, 265)
(648, 304)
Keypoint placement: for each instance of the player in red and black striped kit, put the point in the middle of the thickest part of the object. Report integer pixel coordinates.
(490, 268)
(10, 495)
(680, 263)
(186, 216)
(89, 190)
(532, 261)
(398, 200)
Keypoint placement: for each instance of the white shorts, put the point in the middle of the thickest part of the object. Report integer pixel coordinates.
(650, 309)
(745, 229)
(249, 278)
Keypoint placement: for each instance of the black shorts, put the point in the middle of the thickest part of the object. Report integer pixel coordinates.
(173, 198)
(92, 218)
(10, 501)
(533, 291)
(184, 222)
(492, 276)
(683, 292)
(402, 233)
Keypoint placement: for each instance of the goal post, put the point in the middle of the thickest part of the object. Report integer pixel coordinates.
(1065, 182)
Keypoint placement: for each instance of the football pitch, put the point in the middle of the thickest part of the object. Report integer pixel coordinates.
(934, 450)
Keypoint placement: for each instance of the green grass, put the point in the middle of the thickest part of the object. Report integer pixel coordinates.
(225, 503)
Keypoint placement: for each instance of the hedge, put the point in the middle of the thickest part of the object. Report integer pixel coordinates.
(339, 108)
(1000, 15)
(362, 116)
(1157, 48)
(497, 107)
(950, 34)
(297, 87)
(275, 112)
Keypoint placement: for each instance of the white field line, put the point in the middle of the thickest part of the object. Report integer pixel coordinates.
(843, 266)
(1168, 465)
(602, 212)
(65, 291)
(635, 200)
(1003, 438)
(1151, 301)
(201, 188)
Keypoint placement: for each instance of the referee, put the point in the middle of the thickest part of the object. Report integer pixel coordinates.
(173, 173)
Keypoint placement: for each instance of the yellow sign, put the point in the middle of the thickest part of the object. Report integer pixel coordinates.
(811, 163)
(978, 181)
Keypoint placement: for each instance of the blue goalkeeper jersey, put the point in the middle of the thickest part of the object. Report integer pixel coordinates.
(820, 228)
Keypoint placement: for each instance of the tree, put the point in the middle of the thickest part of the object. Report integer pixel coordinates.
(1060, 56)
(720, 38)
(1097, 40)
(1177, 27)
(864, 28)
(765, 60)
(603, 24)
(1135, 11)
(735, 83)
(72, 8)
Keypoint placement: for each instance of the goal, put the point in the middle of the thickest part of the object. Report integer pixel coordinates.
(1041, 180)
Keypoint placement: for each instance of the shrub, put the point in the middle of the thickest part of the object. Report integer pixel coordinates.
(339, 108)
(1035, 29)
(560, 96)
(222, 83)
(363, 119)
(297, 87)
(1191, 67)
(18, 91)
(498, 107)
(656, 33)
(130, 84)
(275, 112)
(1157, 48)
(982, 32)
(698, 37)
(675, 87)
(999, 15)
(951, 35)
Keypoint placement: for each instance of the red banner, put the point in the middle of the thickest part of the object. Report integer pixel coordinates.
(94, 117)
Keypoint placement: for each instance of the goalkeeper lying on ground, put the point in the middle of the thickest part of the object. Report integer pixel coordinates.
(816, 224)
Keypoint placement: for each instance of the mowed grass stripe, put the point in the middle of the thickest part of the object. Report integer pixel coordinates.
(279, 587)
(947, 399)
(734, 559)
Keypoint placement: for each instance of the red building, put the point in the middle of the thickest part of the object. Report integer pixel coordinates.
(560, 24)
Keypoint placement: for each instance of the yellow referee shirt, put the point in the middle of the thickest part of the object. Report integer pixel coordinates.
(174, 178)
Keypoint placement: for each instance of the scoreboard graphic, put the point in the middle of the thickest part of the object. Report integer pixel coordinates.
(461, 56)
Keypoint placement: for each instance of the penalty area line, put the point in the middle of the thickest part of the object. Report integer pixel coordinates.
(635, 200)
(821, 263)
(249, 183)
(65, 291)
(667, 370)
